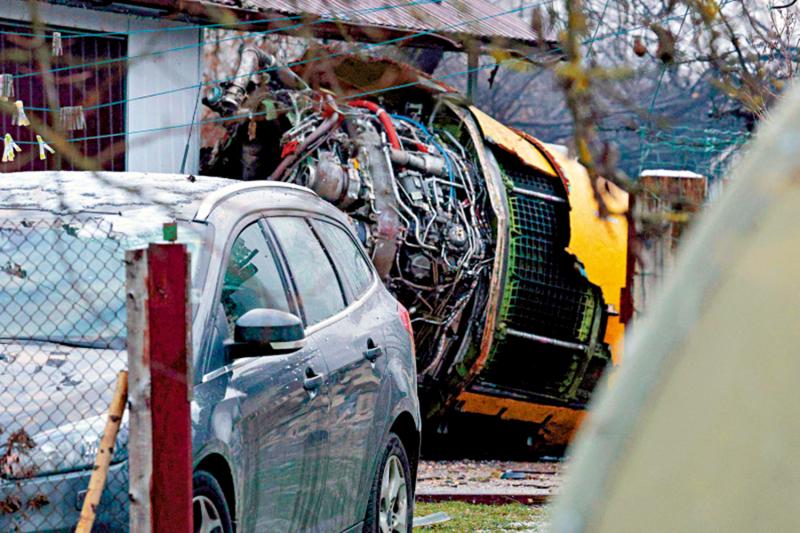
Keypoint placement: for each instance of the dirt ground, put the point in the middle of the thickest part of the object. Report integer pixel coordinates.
(538, 480)
(487, 495)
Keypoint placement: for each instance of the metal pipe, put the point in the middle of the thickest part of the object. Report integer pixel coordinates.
(393, 184)
(327, 125)
(252, 61)
(383, 116)
(537, 194)
(444, 182)
(422, 162)
(546, 340)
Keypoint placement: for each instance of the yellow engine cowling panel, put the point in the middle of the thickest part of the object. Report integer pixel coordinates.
(600, 244)
(557, 424)
(513, 142)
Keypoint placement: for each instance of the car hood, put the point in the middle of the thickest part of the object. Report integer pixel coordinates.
(45, 385)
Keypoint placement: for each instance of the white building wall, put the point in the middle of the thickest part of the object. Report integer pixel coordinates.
(146, 151)
(176, 73)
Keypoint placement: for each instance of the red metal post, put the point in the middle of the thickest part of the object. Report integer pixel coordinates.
(168, 314)
(160, 364)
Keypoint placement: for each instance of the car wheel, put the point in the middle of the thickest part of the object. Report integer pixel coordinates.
(391, 499)
(209, 508)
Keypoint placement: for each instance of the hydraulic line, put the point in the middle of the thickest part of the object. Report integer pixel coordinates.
(448, 163)
(326, 127)
(383, 116)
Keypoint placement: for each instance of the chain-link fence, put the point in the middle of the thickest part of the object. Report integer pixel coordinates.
(62, 344)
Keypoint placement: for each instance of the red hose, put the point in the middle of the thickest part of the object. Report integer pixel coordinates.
(383, 116)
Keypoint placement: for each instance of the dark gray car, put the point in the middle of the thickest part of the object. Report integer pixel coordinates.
(320, 435)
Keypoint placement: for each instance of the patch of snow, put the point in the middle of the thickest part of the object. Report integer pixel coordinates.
(560, 148)
(662, 173)
(62, 191)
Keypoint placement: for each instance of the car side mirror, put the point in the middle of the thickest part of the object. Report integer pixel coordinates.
(266, 332)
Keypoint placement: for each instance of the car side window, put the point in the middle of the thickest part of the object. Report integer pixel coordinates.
(351, 262)
(318, 287)
(252, 279)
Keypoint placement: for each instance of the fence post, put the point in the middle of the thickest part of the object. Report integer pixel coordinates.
(159, 337)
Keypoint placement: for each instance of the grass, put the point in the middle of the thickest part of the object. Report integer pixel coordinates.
(475, 518)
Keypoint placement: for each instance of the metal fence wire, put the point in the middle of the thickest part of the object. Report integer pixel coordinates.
(100, 80)
(62, 344)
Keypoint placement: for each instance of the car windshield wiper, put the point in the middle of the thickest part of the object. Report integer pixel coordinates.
(61, 341)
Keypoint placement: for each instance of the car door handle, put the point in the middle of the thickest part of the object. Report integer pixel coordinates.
(312, 381)
(370, 354)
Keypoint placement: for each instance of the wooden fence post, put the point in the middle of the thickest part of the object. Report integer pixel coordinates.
(159, 352)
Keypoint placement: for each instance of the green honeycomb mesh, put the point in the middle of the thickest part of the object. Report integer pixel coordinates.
(546, 293)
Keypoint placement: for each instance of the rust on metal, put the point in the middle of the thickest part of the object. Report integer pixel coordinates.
(356, 75)
(547, 154)
(449, 25)
(495, 188)
(513, 142)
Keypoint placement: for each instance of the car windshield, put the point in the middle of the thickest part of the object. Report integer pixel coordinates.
(63, 280)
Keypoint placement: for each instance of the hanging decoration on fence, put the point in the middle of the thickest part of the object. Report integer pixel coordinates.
(9, 147)
(6, 87)
(20, 118)
(58, 45)
(43, 148)
(73, 118)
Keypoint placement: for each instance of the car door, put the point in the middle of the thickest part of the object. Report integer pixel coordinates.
(321, 294)
(280, 401)
(357, 363)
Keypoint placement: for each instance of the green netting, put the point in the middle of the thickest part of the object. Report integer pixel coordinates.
(706, 151)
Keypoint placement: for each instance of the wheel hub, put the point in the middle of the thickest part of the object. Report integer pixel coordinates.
(393, 515)
(206, 516)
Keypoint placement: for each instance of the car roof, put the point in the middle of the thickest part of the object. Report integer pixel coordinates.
(181, 196)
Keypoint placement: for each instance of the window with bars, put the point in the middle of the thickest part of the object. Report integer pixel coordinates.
(85, 75)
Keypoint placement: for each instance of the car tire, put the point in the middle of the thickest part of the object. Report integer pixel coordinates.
(391, 498)
(209, 507)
